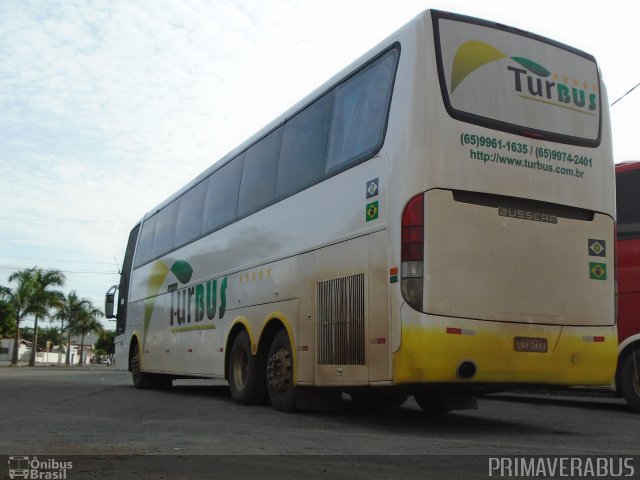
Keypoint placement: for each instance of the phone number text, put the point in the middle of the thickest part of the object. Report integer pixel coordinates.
(485, 141)
(541, 153)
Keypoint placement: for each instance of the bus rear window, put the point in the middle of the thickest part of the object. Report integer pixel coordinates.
(511, 80)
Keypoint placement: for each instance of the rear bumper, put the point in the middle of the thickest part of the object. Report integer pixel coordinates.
(432, 349)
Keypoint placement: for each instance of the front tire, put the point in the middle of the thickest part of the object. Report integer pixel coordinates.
(142, 379)
(629, 380)
(282, 392)
(246, 373)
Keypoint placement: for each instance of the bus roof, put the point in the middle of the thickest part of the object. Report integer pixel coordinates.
(407, 31)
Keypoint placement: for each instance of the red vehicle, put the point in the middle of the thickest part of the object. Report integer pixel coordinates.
(628, 261)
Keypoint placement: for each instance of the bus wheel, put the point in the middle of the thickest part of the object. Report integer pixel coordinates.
(431, 403)
(371, 400)
(629, 381)
(140, 379)
(246, 373)
(282, 392)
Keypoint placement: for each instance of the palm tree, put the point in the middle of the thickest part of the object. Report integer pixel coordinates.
(43, 298)
(20, 300)
(85, 323)
(68, 310)
(50, 335)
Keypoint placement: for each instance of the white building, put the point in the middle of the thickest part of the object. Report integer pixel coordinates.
(6, 350)
(55, 355)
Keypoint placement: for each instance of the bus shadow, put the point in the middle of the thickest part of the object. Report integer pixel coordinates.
(405, 420)
(411, 420)
(596, 402)
(219, 391)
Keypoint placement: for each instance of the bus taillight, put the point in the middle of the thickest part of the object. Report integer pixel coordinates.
(413, 251)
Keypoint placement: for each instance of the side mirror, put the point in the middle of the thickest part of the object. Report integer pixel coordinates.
(109, 302)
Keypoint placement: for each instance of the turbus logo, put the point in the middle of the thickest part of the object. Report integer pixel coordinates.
(187, 304)
(198, 300)
(530, 80)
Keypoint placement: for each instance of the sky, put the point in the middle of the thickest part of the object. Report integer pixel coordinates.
(108, 107)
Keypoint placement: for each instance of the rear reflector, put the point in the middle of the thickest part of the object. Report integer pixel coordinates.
(593, 339)
(460, 331)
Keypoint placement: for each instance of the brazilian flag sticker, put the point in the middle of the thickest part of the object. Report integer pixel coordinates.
(372, 211)
(597, 271)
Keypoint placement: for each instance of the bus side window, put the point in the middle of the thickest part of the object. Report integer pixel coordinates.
(258, 185)
(222, 195)
(189, 221)
(165, 229)
(360, 113)
(144, 252)
(304, 148)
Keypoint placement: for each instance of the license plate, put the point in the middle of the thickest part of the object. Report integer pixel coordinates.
(530, 344)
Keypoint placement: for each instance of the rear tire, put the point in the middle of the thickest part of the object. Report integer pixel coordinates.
(282, 392)
(246, 373)
(629, 380)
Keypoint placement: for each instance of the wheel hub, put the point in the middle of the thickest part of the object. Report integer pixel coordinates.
(279, 370)
(240, 369)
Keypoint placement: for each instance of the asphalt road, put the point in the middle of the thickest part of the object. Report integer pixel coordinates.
(94, 416)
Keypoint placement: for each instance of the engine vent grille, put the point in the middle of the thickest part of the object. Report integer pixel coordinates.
(341, 321)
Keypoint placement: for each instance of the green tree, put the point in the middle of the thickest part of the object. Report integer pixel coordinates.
(85, 323)
(106, 342)
(26, 333)
(70, 308)
(7, 315)
(20, 300)
(43, 298)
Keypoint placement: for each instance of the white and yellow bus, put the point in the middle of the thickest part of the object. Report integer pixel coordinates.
(436, 220)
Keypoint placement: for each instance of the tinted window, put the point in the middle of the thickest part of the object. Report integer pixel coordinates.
(304, 148)
(360, 113)
(222, 195)
(258, 185)
(189, 226)
(628, 204)
(145, 244)
(165, 229)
